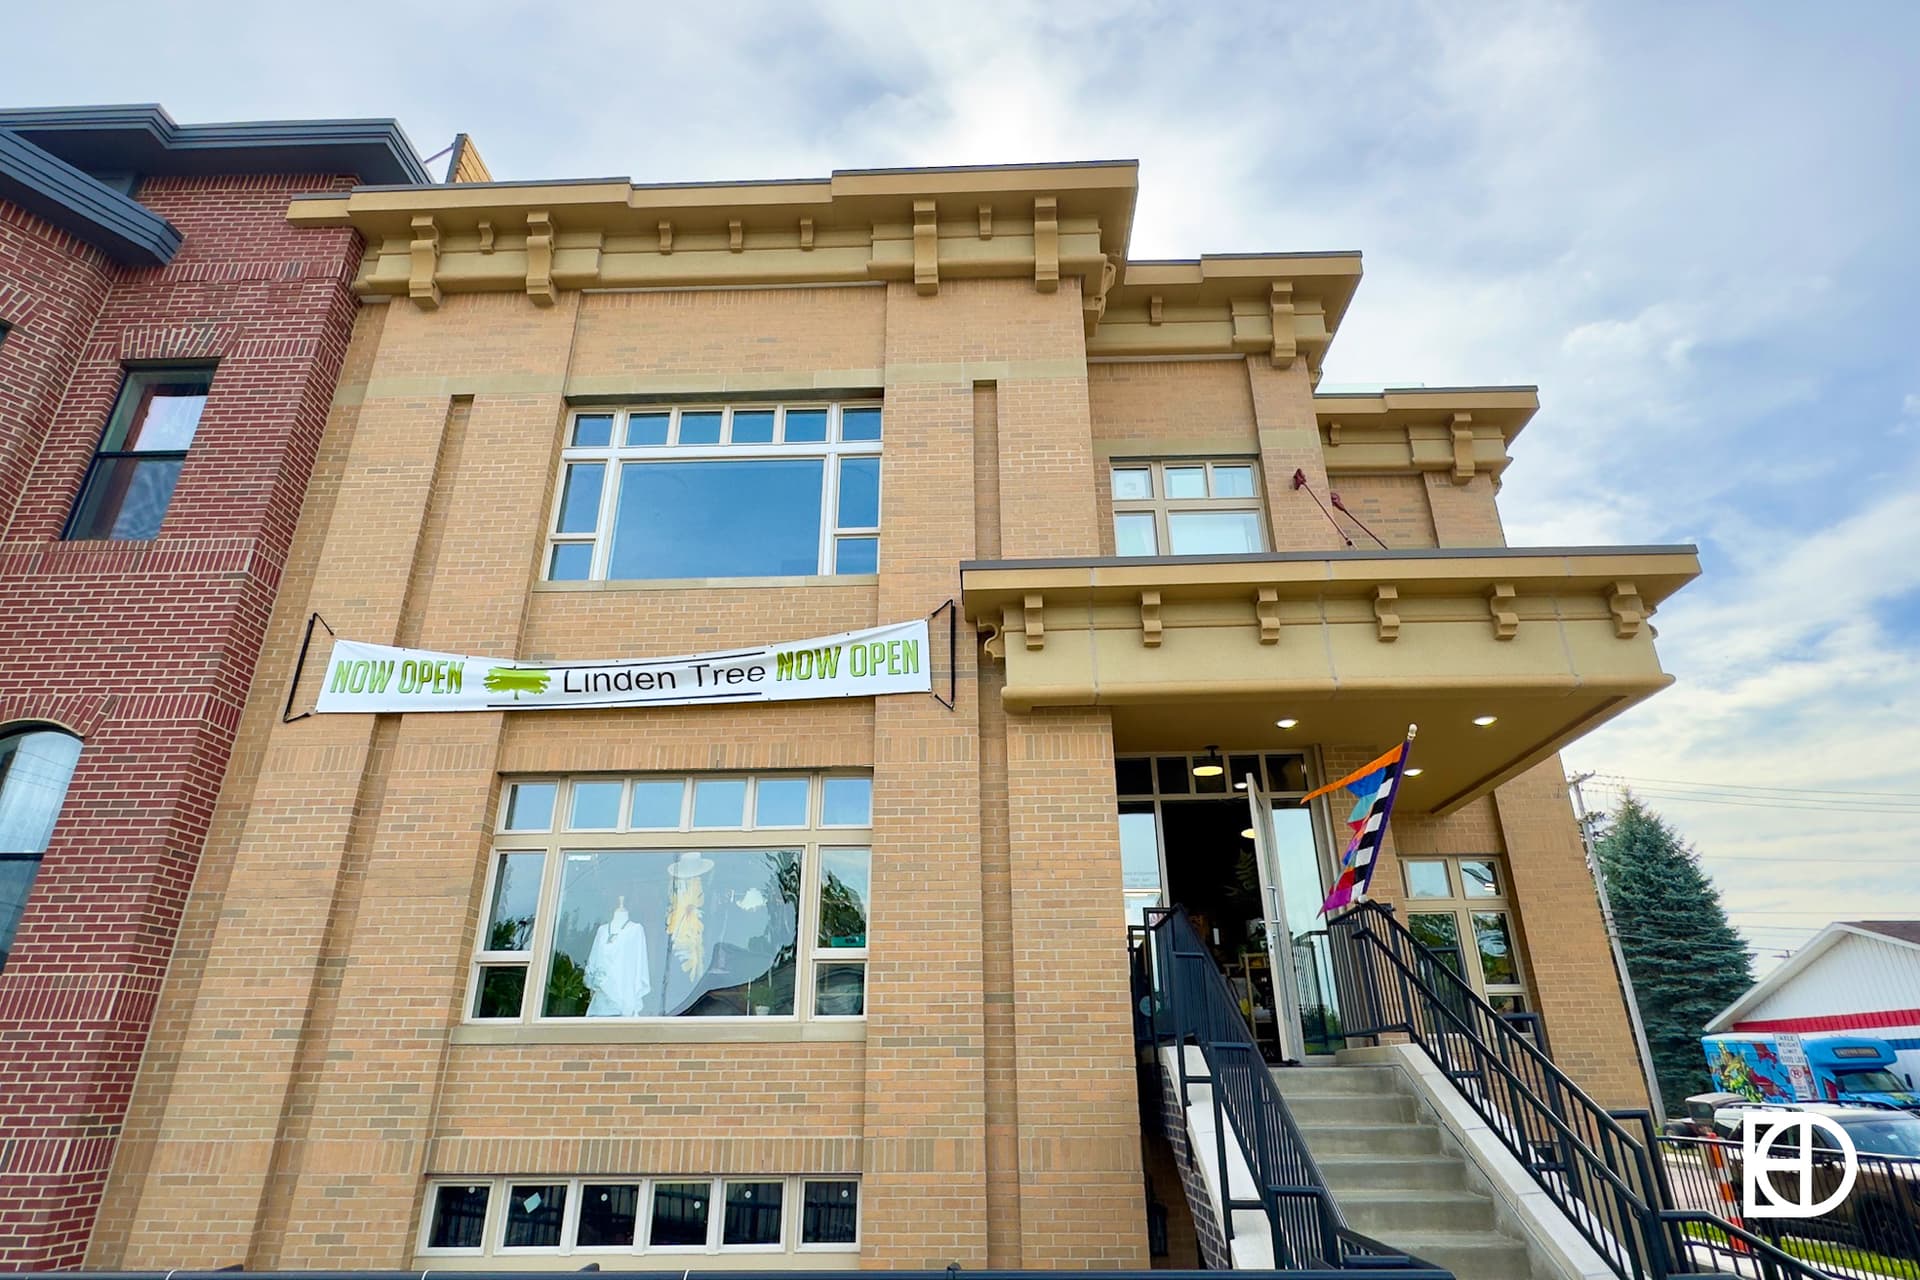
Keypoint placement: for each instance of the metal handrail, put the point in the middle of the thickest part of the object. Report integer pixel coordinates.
(1590, 1165)
(1185, 1002)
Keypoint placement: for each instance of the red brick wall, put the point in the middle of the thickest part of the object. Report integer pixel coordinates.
(144, 649)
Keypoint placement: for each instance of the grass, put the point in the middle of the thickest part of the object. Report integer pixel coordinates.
(1822, 1253)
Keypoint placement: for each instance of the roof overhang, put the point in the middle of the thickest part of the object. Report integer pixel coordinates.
(1809, 951)
(1459, 430)
(1285, 305)
(1189, 651)
(144, 139)
(82, 206)
(1047, 223)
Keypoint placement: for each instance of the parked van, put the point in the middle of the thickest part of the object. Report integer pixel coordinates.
(1839, 1068)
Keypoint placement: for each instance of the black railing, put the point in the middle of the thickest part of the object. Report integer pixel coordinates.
(1874, 1229)
(1185, 1007)
(1587, 1160)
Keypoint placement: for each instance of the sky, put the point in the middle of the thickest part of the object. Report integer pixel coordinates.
(1691, 225)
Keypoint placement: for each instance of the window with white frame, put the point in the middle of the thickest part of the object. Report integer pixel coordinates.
(717, 491)
(677, 896)
(1187, 507)
(676, 1214)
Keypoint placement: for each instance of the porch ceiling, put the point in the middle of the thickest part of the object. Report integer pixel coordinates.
(1195, 650)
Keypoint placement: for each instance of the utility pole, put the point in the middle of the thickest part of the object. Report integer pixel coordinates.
(1586, 822)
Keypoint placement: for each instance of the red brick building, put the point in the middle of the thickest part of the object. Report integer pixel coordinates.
(168, 352)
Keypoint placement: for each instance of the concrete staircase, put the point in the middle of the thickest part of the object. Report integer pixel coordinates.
(1393, 1176)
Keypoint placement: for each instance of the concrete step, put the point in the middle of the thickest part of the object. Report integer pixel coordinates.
(1350, 1108)
(1370, 1139)
(1359, 1172)
(1391, 1212)
(1470, 1255)
(1316, 1082)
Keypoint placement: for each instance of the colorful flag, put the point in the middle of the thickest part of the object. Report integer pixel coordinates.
(1373, 785)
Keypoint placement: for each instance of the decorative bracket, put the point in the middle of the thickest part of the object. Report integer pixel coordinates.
(926, 248)
(1333, 435)
(540, 236)
(1156, 309)
(736, 236)
(1281, 303)
(1046, 244)
(1150, 631)
(1094, 305)
(1266, 607)
(1629, 610)
(986, 222)
(423, 263)
(1506, 622)
(666, 236)
(486, 236)
(1034, 619)
(806, 234)
(1387, 621)
(995, 639)
(1461, 428)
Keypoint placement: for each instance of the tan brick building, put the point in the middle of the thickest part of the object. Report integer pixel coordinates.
(840, 982)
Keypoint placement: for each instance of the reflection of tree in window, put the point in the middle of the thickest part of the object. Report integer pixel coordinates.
(1496, 948)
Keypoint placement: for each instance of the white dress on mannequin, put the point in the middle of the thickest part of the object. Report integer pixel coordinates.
(617, 967)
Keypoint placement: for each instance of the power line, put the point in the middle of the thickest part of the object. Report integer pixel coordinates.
(1755, 802)
(1749, 786)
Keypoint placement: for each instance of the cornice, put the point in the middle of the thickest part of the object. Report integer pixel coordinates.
(1285, 305)
(1462, 431)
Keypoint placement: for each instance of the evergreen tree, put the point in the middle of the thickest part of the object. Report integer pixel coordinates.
(1686, 961)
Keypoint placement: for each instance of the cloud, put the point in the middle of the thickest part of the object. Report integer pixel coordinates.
(1687, 224)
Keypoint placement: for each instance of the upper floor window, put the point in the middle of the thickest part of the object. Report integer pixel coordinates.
(130, 484)
(1187, 508)
(35, 766)
(717, 491)
(656, 896)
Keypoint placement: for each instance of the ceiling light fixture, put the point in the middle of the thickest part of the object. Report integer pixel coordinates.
(1414, 773)
(1484, 721)
(1247, 834)
(1211, 767)
(1288, 723)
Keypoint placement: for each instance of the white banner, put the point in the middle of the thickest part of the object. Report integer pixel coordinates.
(853, 664)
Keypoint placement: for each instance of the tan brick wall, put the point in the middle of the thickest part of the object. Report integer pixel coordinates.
(1464, 515)
(1162, 409)
(1080, 1163)
(1559, 915)
(302, 1078)
(1289, 442)
(1393, 506)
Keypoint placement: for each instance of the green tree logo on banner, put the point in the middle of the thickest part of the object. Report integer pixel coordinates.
(517, 680)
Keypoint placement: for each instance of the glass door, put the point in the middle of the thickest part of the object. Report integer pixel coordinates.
(1298, 869)
(1279, 937)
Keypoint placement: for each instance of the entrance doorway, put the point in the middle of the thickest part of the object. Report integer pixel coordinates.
(1234, 846)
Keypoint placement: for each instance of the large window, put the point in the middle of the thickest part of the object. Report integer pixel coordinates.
(650, 897)
(1458, 909)
(1187, 508)
(717, 491)
(130, 484)
(35, 766)
(757, 1213)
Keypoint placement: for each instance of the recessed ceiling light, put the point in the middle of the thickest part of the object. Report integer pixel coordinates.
(1484, 721)
(1414, 773)
(1240, 786)
(1288, 723)
(1247, 834)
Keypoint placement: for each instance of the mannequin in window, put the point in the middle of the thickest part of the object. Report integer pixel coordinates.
(617, 967)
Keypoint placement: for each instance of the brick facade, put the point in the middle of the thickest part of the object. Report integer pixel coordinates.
(146, 650)
(312, 1065)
